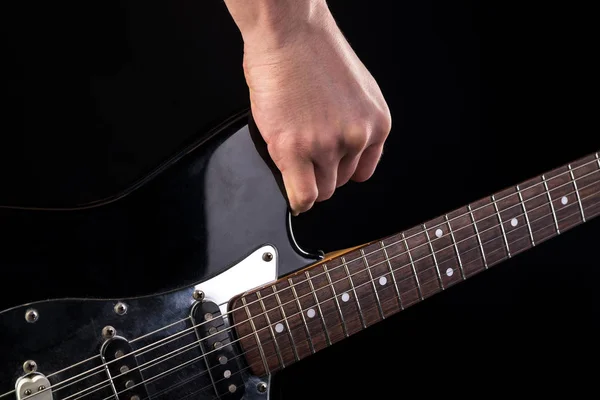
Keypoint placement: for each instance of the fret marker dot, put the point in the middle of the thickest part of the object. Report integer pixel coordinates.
(514, 222)
(345, 297)
(279, 328)
(564, 200)
(439, 233)
(227, 374)
(449, 271)
(311, 313)
(382, 280)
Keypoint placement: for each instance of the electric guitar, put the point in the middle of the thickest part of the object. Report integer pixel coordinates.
(263, 303)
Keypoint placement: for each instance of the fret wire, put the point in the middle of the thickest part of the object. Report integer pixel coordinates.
(275, 341)
(455, 248)
(598, 159)
(526, 215)
(437, 269)
(501, 225)
(373, 283)
(336, 300)
(286, 322)
(258, 342)
(308, 335)
(469, 207)
(577, 192)
(551, 204)
(312, 288)
(360, 314)
(387, 259)
(413, 267)
(485, 264)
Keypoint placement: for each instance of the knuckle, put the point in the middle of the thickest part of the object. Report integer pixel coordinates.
(328, 145)
(357, 137)
(285, 148)
(384, 122)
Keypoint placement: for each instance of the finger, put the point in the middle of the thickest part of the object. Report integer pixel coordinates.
(368, 162)
(354, 145)
(346, 168)
(326, 176)
(300, 184)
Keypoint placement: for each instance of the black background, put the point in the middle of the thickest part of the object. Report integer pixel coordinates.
(482, 96)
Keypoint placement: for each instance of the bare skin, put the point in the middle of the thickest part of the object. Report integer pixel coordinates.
(318, 108)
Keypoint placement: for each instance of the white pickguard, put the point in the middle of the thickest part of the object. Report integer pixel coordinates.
(251, 272)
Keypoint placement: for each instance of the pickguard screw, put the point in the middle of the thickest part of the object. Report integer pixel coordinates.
(108, 332)
(120, 308)
(261, 387)
(198, 295)
(31, 315)
(29, 366)
(267, 256)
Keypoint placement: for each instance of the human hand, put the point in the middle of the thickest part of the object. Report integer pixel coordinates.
(318, 108)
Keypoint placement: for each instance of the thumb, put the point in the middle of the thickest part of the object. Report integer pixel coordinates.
(300, 184)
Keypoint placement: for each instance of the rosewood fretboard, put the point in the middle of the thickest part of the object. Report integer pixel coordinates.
(312, 309)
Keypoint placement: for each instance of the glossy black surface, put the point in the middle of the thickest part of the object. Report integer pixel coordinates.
(183, 223)
(196, 216)
(68, 339)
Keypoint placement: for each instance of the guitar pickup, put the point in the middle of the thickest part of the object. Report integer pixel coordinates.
(219, 351)
(123, 369)
(34, 386)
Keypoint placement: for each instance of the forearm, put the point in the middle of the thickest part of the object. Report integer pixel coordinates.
(275, 21)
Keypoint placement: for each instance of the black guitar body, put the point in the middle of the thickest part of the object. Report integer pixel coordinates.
(214, 218)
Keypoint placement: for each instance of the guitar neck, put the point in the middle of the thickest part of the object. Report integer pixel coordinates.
(284, 322)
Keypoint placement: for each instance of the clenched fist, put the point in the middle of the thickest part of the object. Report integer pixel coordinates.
(318, 108)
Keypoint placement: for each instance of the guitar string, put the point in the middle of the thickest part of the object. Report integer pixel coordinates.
(574, 214)
(370, 281)
(392, 257)
(422, 271)
(587, 163)
(372, 306)
(141, 367)
(259, 361)
(536, 231)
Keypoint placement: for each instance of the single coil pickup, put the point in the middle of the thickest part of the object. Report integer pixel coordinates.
(220, 352)
(34, 386)
(123, 369)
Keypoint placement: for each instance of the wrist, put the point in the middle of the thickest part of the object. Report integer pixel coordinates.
(273, 23)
